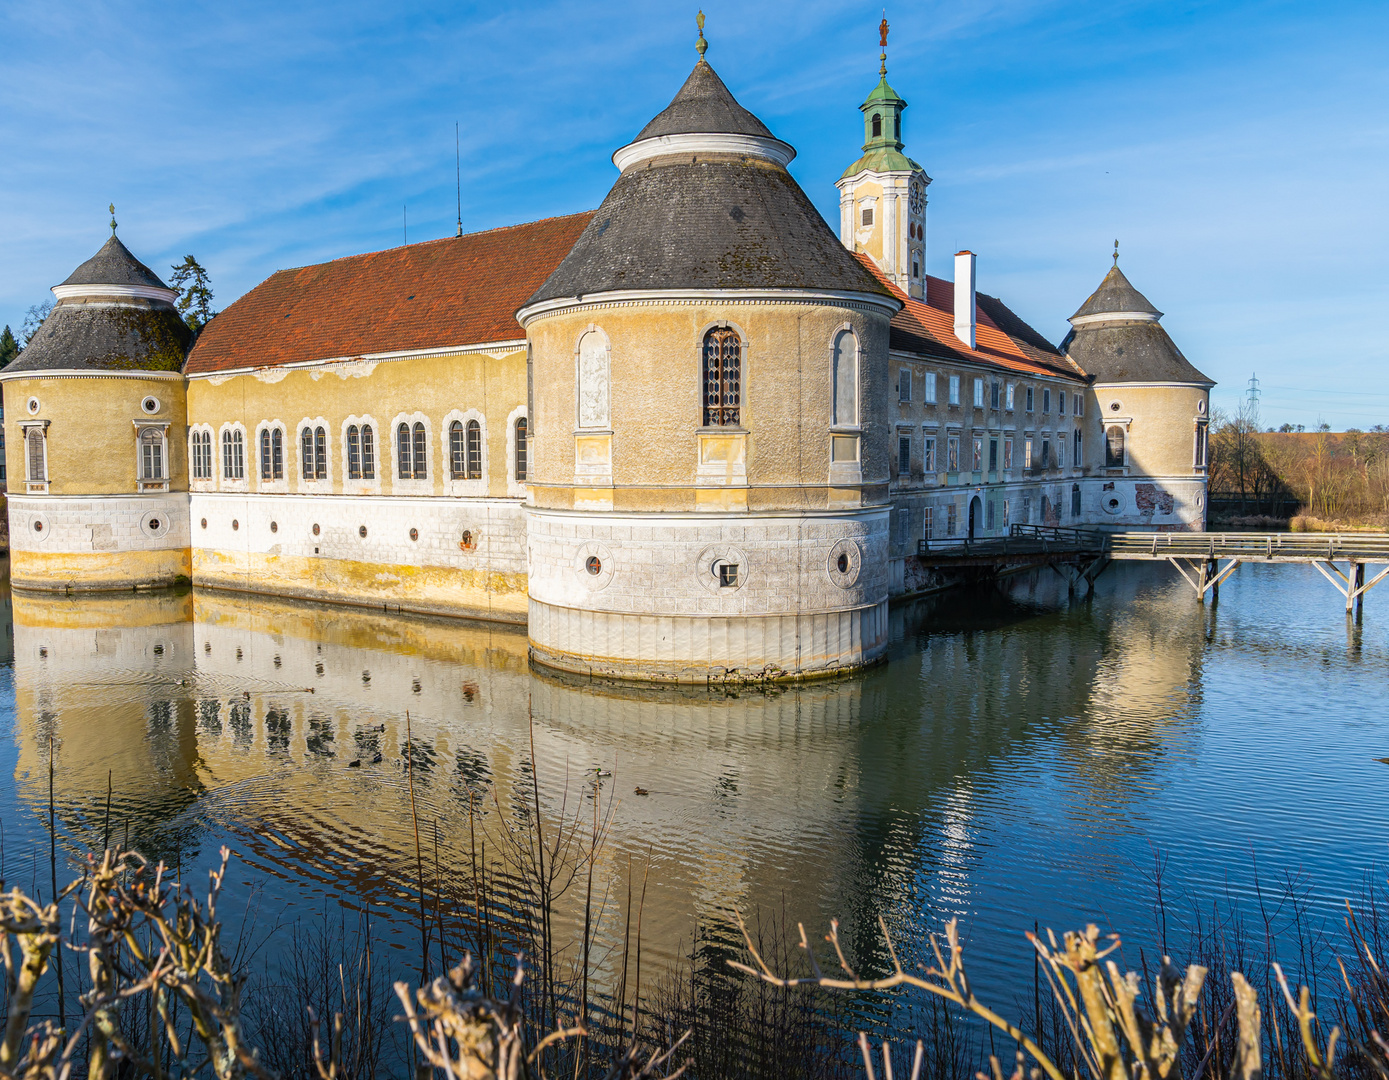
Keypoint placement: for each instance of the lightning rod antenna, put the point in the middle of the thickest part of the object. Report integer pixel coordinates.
(458, 169)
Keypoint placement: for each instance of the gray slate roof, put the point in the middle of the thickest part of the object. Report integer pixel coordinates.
(703, 106)
(114, 265)
(134, 335)
(1115, 294)
(710, 221)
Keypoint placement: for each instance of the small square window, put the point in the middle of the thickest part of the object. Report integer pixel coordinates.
(728, 575)
(867, 216)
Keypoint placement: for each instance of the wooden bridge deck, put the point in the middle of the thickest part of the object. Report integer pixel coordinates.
(1081, 555)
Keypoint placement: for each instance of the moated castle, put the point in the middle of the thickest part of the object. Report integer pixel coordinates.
(690, 431)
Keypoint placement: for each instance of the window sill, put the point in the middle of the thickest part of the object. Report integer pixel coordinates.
(144, 486)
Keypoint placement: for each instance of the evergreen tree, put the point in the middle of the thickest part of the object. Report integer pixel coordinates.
(194, 292)
(9, 347)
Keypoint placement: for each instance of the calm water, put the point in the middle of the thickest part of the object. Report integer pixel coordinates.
(1021, 757)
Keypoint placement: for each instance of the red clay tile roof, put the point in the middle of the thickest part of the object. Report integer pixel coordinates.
(1001, 339)
(457, 291)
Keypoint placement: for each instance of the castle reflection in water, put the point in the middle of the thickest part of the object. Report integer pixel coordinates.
(219, 717)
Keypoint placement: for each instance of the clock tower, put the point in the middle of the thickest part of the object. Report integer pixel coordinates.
(882, 195)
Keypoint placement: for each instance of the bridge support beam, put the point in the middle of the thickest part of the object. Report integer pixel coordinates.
(1205, 575)
(1351, 585)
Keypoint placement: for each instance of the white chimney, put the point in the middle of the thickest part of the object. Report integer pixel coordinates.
(964, 297)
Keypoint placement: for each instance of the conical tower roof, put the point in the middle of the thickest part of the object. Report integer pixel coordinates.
(705, 202)
(1116, 295)
(113, 314)
(114, 265)
(1117, 337)
(704, 106)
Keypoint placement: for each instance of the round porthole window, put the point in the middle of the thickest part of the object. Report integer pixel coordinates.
(1114, 406)
(468, 541)
(414, 534)
(722, 569)
(315, 530)
(274, 526)
(154, 525)
(204, 523)
(40, 527)
(362, 531)
(150, 405)
(1201, 407)
(33, 406)
(844, 563)
(594, 565)
(1111, 502)
(235, 524)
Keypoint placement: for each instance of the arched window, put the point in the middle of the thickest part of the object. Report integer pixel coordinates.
(227, 473)
(277, 454)
(38, 471)
(368, 453)
(402, 452)
(521, 461)
(474, 450)
(421, 450)
(267, 470)
(202, 455)
(320, 454)
(1114, 448)
(306, 452)
(152, 454)
(354, 452)
(897, 127)
(723, 362)
(877, 125)
(233, 455)
(845, 379)
(458, 467)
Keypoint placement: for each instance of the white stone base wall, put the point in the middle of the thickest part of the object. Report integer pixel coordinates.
(655, 608)
(1157, 504)
(266, 544)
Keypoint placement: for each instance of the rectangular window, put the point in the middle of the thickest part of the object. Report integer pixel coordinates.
(1199, 455)
(904, 384)
(1009, 397)
(368, 453)
(1007, 454)
(34, 444)
(1075, 500)
(950, 519)
(954, 390)
(421, 456)
(1079, 404)
(904, 455)
(306, 453)
(1076, 461)
(522, 462)
(928, 455)
(354, 452)
(1061, 403)
(1029, 399)
(978, 455)
(265, 468)
(1026, 509)
(320, 454)
(927, 524)
(867, 216)
(989, 515)
(1046, 400)
(952, 454)
(928, 390)
(1061, 451)
(1114, 447)
(994, 389)
(1027, 453)
(1005, 513)
(1046, 453)
(723, 367)
(993, 455)
(152, 454)
(978, 393)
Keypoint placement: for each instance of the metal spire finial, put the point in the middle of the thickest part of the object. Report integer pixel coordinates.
(701, 46)
(112, 208)
(1116, 253)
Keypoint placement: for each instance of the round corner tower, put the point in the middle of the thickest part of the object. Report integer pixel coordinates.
(1150, 409)
(709, 487)
(98, 487)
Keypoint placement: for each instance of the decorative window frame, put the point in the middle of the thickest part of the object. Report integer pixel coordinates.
(219, 465)
(431, 463)
(517, 490)
(281, 486)
(312, 487)
(469, 488)
(744, 380)
(836, 424)
(360, 486)
(203, 483)
(141, 484)
(35, 487)
(606, 426)
(1123, 422)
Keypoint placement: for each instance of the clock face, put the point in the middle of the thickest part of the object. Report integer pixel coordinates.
(916, 197)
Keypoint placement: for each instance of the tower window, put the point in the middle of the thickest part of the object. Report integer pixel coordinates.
(897, 128)
(152, 454)
(522, 460)
(877, 126)
(867, 216)
(723, 361)
(1114, 448)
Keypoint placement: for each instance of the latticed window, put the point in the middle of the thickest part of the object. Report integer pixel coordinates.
(306, 452)
(723, 364)
(458, 457)
(421, 448)
(411, 448)
(202, 455)
(1114, 448)
(233, 455)
(277, 454)
(474, 450)
(152, 454)
(368, 453)
(402, 452)
(34, 444)
(320, 454)
(354, 452)
(266, 469)
(521, 458)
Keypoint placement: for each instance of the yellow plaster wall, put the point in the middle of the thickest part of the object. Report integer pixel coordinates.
(91, 431)
(494, 385)
(99, 569)
(656, 372)
(1161, 439)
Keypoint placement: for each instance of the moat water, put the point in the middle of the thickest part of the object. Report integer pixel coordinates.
(1022, 758)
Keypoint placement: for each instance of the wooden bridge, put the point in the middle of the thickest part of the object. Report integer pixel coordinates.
(1204, 559)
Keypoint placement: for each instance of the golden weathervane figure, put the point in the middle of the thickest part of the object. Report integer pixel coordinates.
(701, 45)
(882, 31)
(112, 208)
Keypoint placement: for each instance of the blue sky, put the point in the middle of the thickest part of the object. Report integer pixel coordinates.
(1238, 151)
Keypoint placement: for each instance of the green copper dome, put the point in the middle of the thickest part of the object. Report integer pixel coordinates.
(882, 131)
